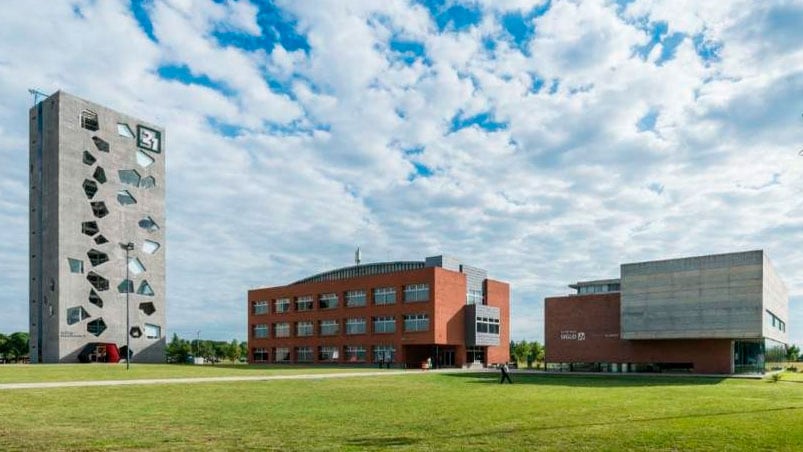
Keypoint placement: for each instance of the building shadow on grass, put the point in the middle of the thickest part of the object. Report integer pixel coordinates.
(595, 381)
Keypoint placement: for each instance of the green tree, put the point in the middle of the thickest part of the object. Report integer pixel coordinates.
(537, 351)
(792, 353)
(521, 350)
(233, 351)
(244, 349)
(17, 345)
(3, 345)
(178, 350)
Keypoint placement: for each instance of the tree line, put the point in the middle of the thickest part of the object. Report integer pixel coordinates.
(13, 347)
(182, 351)
(529, 352)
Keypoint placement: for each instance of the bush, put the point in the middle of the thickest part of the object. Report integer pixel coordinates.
(775, 377)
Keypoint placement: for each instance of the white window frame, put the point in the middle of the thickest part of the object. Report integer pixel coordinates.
(384, 295)
(416, 293)
(355, 326)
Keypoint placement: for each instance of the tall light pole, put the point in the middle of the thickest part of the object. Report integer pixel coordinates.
(128, 247)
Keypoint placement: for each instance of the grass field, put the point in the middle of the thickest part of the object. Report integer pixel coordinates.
(419, 411)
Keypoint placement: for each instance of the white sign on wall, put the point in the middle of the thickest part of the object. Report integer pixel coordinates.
(571, 335)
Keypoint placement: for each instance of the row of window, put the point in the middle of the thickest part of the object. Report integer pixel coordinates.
(776, 322)
(487, 325)
(349, 353)
(381, 324)
(352, 298)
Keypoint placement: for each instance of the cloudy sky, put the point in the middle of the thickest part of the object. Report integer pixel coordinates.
(545, 141)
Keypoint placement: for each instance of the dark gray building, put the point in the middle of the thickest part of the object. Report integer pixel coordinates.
(97, 183)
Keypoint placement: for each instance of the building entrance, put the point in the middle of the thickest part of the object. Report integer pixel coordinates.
(475, 355)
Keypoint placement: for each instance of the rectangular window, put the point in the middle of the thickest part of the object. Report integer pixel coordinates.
(416, 322)
(384, 353)
(416, 292)
(304, 329)
(355, 326)
(153, 331)
(304, 354)
(89, 120)
(384, 324)
(487, 325)
(385, 295)
(355, 353)
(328, 327)
(327, 301)
(304, 304)
(282, 305)
(281, 329)
(775, 321)
(261, 307)
(328, 353)
(474, 296)
(260, 355)
(261, 330)
(281, 355)
(355, 298)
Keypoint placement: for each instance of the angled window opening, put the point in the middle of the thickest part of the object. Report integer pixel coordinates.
(98, 282)
(135, 266)
(124, 131)
(145, 289)
(102, 145)
(76, 265)
(89, 228)
(90, 188)
(125, 198)
(95, 299)
(89, 159)
(135, 331)
(97, 257)
(150, 247)
(89, 120)
(100, 240)
(76, 314)
(148, 224)
(126, 286)
(96, 327)
(129, 177)
(147, 182)
(148, 308)
(144, 160)
(100, 175)
(99, 209)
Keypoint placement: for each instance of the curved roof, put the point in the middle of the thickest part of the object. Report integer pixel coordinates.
(362, 270)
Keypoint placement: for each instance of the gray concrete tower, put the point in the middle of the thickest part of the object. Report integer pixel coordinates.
(97, 182)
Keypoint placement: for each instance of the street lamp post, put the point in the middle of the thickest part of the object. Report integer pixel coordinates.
(128, 247)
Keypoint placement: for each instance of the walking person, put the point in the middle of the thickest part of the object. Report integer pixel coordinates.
(505, 374)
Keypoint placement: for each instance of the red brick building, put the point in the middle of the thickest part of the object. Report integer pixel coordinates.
(392, 313)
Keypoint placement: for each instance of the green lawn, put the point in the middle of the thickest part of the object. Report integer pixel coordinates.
(413, 412)
(25, 373)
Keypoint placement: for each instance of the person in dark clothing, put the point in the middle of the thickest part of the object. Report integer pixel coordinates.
(505, 374)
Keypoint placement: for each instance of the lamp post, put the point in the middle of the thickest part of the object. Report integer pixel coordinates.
(128, 247)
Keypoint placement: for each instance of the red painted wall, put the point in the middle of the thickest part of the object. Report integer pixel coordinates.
(597, 318)
(499, 296)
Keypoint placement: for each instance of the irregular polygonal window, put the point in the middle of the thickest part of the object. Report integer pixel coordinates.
(149, 139)
(76, 314)
(89, 228)
(99, 209)
(148, 224)
(125, 198)
(90, 188)
(153, 331)
(100, 175)
(89, 159)
(145, 289)
(100, 144)
(95, 299)
(124, 131)
(144, 160)
(96, 327)
(97, 257)
(148, 182)
(126, 286)
(100, 240)
(97, 281)
(135, 332)
(76, 265)
(129, 177)
(148, 308)
(149, 246)
(135, 266)
(89, 120)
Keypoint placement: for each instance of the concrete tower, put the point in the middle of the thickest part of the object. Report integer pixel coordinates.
(97, 181)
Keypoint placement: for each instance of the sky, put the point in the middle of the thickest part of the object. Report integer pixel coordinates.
(547, 142)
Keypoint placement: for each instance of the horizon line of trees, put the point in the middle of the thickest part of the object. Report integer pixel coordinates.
(529, 352)
(180, 350)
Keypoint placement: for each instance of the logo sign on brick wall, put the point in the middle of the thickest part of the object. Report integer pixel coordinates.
(571, 335)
